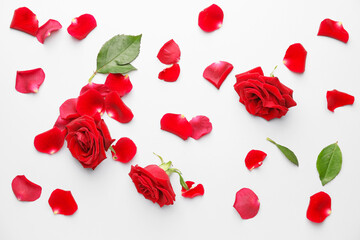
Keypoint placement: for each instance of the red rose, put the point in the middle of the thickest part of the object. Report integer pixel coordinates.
(263, 96)
(88, 140)
(153, 182)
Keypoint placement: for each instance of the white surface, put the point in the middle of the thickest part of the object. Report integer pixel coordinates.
(254, 33)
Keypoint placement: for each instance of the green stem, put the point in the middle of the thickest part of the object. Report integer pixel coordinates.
(161, 159)
(270, 140)
(272, 73)
(92, 76)
(112, 149)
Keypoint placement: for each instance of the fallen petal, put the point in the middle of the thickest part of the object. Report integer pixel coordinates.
(247, 203)
(81, 26)
(319, 207)
(24, 189)
(101, 88)
(169, 53)
(333, 29)
(46, 30)
(295, 58)
(29, 81)
(25, 20)
(176, 124)
(337, 99)
(170, 74)
(117, 109)
(198, 190)
(119, 83)
(254, 159)
(61, 123)
(90, 103)
(50, 141)
(68, 109)
(62, 202)
(125, 150)
(201, 126)
(217, 72)
(211, 18)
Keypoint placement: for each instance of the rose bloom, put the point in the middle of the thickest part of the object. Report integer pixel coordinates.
(88, 140)
(153, 183)
(263, 96)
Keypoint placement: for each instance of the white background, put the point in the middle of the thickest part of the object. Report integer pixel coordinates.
(254, 33)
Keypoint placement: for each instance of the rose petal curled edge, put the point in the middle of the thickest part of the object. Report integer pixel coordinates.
(198, 190)
(169, 53)
(176, 124)
(46, 30)
(217, 72)
(24, 189)
(254, 159)
(25, 20)
(50, 141)
(337, 99)
(170, 74)
(333, 29)
(29, 81)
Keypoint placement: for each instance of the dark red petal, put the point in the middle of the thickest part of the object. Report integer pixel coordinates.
(201, 126)
(337, 99)
(254, 159)
(125, 150)
(50, 141)
(61, 123)
(29, 81)
(193, 191)
(319, 207)
(169, 53)
(176, 124)
(333, 29)
(119, 83)
(24, 189)
(62, 202)
(81, 26)
(211, 18)
(68, 109)
(246, 203)
(90, 103)
(170, 74)
(25, 20)
(295, 58)
(101, 88)
(217, 72)
(46, 30)
(117, 109)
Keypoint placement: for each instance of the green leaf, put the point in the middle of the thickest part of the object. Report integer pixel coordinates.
(287, 152)
(116, 54)
(329, 163)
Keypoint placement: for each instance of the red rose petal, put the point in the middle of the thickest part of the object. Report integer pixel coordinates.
(333, 29)
(81, 26)
(119, 83)
(170, 74)
(117, 109)
(29, 81)
(217, 72)
(201, 126)
(319, 207)
(176, 124)
(68, 109)
(24, 189)
(295, 58)
(25, 20)
(169, 53)
(246, 203)
(254, 159)
(211, 18)
(193, 191)
(125, 150)
(90, 103)
(62, 202)
(61, 123)
(50, 141)
(337, 99)
(46, 30)
(101, 88)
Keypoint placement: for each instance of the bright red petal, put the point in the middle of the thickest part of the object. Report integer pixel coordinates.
(61, 123)
(29, 81)
(46, 30)
(333, 29)
(176, 124)
(169, 53)
(24, 189)
(254, 159)
(90, 103)
(25, 20)
(217, 72)
(201, 126)
(125, 150)
(319, 207)
(68, 109)
(119, 83)
(295, 58)
(81, 26)
(246, 203)
(117, 109)
(62, 202)
(193, 191)
(50, 141)
(211, 18)
(337, 99)
(170, 74)
(101, 88)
